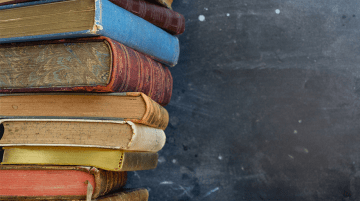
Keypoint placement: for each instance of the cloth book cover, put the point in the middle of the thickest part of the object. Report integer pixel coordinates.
(26, 182)
(106, 159)
(97, 64)
(122, 135)
(129, 106)
(169, 20)
(54, 19)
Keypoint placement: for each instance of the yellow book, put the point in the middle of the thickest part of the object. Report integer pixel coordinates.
(107, 159)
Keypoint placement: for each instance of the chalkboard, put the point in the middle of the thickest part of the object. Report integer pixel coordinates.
(266, 103)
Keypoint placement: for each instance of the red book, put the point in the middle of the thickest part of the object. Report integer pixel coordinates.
(97, 64)
(56, 182)
(162, 17)
(6, 2)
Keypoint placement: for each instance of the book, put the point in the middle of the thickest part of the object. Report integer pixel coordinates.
(83, 18)
(97, 64)
(129, 106)
(122, 135)
(6, 2)
(166, 3)
(169, 20)
(28, 182)
(129, 195)
(107, 159)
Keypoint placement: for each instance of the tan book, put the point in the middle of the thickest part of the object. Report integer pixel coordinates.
(129, 106)
(123, 135)
(34, 182)
(107, 159)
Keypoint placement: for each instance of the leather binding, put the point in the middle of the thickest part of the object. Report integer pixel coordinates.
(105, 181)
(14, 2)
(138, 195)
(164, 18)
(155, 115)
(166, 3)
(131, 72)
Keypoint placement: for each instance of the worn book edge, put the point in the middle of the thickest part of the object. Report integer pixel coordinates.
(155, 115)
(140, 134)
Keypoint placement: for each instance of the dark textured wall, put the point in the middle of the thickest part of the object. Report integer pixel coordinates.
(266, 106)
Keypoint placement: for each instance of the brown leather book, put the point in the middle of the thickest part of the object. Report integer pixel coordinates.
(130, 195)
(164, 18)
(129, 106)
(97, 64)
(166, 3)
(6, 2)
(35, 182)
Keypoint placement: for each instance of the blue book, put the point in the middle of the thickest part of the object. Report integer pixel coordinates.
(57, 19)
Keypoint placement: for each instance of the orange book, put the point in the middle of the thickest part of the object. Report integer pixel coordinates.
(56, 182)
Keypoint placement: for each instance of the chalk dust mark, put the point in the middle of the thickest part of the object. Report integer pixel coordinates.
(212, 191)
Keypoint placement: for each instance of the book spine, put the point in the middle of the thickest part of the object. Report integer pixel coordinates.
(165, 3)
(136, 33)
(107, 181)
(146, 138)
(155, 115)
(164, 18)
(133, 161)
(134, 71)
(138, 195)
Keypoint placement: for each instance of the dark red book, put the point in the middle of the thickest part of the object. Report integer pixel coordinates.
(96, 64)
(162, 17)
(6, 2)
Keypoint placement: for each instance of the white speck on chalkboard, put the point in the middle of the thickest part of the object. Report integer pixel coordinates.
(201, 18)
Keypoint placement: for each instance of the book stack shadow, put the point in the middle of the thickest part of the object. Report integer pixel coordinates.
(83, 85)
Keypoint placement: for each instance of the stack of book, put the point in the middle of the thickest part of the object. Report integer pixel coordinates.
(83, 84)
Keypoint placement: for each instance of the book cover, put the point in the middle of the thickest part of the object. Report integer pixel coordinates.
(107, 159)
(82, 18)
(97, 64)
(122, 135)
(166, 3)
(56, 182)
(129, 106)
(169, 20)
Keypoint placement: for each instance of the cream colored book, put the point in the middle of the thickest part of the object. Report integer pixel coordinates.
(122, 135)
